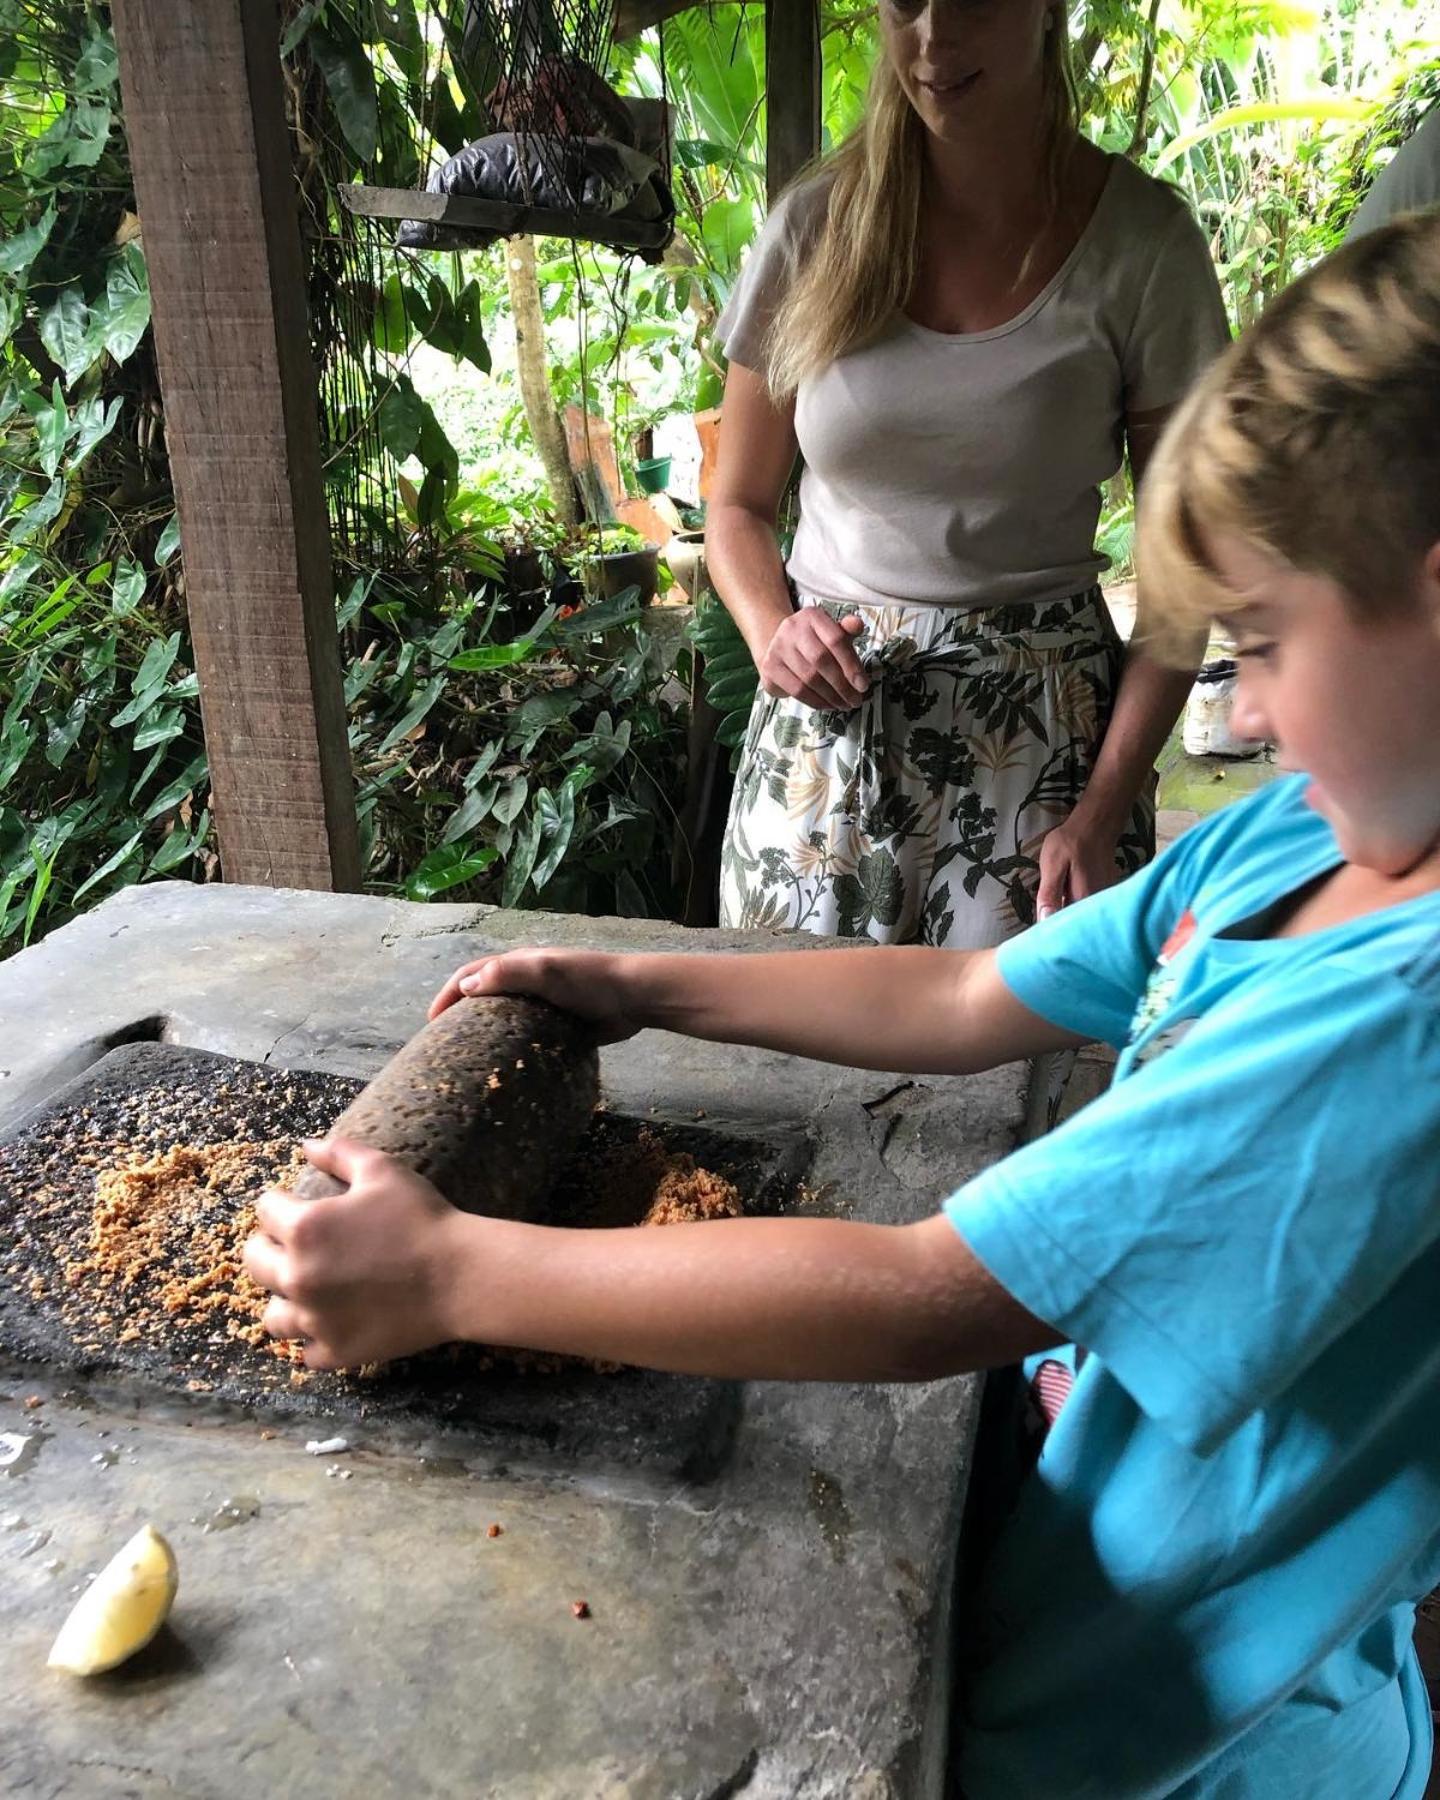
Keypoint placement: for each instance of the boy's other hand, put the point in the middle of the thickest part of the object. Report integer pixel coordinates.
(364, 1276)
(592, 984)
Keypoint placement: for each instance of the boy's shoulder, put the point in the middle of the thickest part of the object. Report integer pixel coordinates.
(1253, 841)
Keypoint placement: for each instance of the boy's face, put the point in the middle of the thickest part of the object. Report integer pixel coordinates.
(1353, 702)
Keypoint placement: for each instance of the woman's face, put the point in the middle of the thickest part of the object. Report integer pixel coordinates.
(967, 66)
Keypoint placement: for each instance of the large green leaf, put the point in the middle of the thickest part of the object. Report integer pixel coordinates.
(127, 590)
(507, 807)
(727, 228)
(90, 122)
(52, 428)
(110, 864)
(1264, 112)
(402, 412)
(15, 742)
(65, 332)
(179, 846)
(446, 867)
(39, 513)
(299, 27)
(350, 80)
(521, 860)
(20, 249)
(62, 732)
(97, 68)
(397, 24)
(122, 317)
(471, 811)
(561, 830)
(447, 126)
(94, 420)
(182, 785)
(418, 708)
(470, 327)
(392, 318)
(168, 542)
(494, 656)
(716, 63)
(75, 139)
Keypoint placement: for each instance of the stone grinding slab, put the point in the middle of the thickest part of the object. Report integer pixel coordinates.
(780, 1628)
(163, 1094)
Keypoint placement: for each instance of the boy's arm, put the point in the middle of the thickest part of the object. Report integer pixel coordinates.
(914, 1010)
(388, 1268)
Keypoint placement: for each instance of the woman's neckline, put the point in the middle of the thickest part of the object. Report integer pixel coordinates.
(1028, 312)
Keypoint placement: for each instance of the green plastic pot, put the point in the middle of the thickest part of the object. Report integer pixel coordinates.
(654, 474)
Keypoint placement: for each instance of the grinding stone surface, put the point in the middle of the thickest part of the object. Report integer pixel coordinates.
(776, 1626)
(577, 1416)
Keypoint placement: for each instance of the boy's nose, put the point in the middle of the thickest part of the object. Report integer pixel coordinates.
(1247, 716)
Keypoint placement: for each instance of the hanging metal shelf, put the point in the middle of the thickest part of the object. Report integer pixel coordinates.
(468, 212)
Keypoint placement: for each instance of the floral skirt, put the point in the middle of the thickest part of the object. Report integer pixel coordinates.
(918, 817)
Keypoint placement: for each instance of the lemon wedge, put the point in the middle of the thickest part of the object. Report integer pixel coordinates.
(121, 1610)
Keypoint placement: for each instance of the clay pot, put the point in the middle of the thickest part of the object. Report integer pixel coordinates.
(607, 576)
(685, 555)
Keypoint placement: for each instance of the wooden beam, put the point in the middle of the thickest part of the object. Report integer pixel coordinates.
(792, 90)
(210, 151)
(635, 16)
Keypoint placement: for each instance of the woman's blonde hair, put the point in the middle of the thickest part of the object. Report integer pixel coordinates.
(1315, 439)
(860, 271)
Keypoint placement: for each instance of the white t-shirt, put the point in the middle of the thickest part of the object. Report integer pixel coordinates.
(965, 470)
(1409, 182)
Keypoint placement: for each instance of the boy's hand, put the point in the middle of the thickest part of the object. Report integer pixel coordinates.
(593, 984)
(364, 1276)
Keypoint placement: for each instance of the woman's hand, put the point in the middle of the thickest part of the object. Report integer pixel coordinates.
(811, 658)
(1076, 859)
(592, 984)
(365, 1276)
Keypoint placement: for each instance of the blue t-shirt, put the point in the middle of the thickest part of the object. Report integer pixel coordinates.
(1207, 1585)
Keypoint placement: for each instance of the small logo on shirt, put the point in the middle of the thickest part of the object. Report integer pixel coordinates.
(1160, 991)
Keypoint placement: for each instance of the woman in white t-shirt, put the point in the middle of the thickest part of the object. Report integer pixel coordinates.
(961, 322)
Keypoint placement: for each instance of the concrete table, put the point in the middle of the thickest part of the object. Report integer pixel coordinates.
(777, 1626)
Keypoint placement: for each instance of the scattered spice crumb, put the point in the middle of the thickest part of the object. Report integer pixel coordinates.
(32, 1401)
(495, 1531)
(580, 1608)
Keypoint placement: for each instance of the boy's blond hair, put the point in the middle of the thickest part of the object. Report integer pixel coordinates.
(1314, 438)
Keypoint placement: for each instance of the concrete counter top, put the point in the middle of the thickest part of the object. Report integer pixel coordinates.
(778, 1626)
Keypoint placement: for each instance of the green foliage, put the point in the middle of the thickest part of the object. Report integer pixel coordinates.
(731, 679)
(101, 758)
(498, 758)
(529, 770)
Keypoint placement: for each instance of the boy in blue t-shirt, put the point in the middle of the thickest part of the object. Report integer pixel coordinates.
(1206, 1586)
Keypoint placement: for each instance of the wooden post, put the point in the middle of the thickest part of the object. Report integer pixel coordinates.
(210, 151)
(792, 90)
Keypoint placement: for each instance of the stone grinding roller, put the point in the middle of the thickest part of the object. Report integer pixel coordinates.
(488, 1102)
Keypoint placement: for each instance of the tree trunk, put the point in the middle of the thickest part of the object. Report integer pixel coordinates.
(540, 410)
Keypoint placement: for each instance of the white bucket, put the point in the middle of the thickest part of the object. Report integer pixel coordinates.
(1207, 730)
